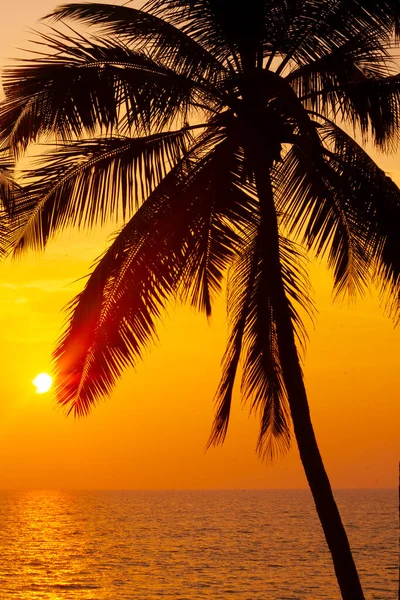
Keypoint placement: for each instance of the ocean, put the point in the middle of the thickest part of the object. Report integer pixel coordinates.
(189, 545)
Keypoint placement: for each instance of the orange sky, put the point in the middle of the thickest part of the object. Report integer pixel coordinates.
(152, 432)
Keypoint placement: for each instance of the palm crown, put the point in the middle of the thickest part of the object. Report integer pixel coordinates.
(220, 135)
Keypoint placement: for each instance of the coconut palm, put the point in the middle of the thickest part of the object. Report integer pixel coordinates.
(219, 134)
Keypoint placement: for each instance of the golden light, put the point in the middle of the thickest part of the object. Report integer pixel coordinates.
(42, 383)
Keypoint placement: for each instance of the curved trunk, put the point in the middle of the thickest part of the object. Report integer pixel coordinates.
(317, 478)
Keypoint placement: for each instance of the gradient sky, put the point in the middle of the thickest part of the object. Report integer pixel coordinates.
(152, 431)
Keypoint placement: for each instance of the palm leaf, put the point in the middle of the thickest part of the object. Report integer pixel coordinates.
(240, 284)
(262, 379)
(369, 104)
(375, 200)
(322, 84)
(157, 255)
(8, 187)
(233, 36)
(164, 42)
(353, 79)
(251, 310)
(318, 28)
(316, 207)
(85, 86)
(89, 181)
(226, 210)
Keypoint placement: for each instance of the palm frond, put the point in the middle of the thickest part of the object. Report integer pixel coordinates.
(226, 211)
(240, 285)
(374, 199)
(252, 307)
(9, 189)
(163, 41)
(156, 256)
(262, 380)
(96, 348)
(370, 104)
(366, 53)
(323, 84)
(233, 36)
(84, 87)
(315, 207)
(297, 286)
(318, 28)
(353, 78)
(8, 186)
(88, 182)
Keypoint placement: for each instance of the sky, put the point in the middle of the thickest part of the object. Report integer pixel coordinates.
(152, 431)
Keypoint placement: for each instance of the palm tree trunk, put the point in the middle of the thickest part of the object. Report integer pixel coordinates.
(317, 478)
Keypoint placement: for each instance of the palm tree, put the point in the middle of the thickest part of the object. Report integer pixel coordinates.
(220, 135)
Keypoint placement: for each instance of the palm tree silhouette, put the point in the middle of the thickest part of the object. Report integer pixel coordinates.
(219, 131)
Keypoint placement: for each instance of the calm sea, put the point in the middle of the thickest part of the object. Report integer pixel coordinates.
(188, 545)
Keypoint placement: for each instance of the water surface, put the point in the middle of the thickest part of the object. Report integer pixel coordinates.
(189, 545)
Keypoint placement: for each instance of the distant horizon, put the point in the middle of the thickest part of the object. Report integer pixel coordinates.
(305, 489)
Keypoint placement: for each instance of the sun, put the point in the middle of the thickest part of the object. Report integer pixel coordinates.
(42, 383)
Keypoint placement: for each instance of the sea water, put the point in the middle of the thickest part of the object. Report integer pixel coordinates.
(188, 545)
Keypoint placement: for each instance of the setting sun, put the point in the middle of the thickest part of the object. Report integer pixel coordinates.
(42, 382)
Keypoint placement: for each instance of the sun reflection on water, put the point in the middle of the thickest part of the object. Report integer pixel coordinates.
(44, 551)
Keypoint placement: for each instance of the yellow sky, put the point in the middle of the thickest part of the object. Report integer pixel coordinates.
(151, 433)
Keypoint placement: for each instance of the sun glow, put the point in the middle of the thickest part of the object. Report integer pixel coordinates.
(42, 383)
